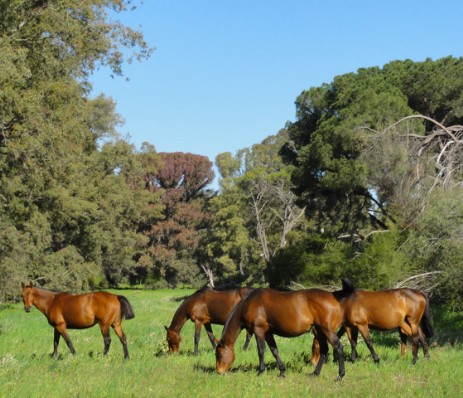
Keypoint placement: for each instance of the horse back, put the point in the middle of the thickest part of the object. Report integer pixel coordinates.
(84, 310)
(291, 313)
(212, 305)
(383, 309)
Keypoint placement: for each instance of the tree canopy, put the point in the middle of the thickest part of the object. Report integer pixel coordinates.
(365, 183)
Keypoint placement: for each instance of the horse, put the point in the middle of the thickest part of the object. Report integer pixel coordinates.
(204, 307)
(404, 309)
(268, 312)
(66, 311)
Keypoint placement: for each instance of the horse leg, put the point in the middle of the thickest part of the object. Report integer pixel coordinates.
(274, 350)
(260, 340)
(315, 351)
(56, 337)
(363, 329)
(117, 327)
(423, 343)
(248, 340)
(106, 337)
(403, 343)
(62, 330)
(415, 342)
(323, 346)
(337, 347)
(340, 333)
(352, 335)
(210, 334)
(198, 326)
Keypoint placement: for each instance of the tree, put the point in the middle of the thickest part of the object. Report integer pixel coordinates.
(173, 240)
(366, 165)
(259, 204)
(51, 182)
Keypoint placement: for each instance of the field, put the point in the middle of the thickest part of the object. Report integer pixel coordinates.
(26, 369)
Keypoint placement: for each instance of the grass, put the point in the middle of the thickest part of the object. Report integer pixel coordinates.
(26, 369)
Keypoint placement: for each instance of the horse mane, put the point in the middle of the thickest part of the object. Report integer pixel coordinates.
(49, 290)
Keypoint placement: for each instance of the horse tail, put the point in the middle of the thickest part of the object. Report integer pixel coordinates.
(347, 287)
(126, 308)
(425, 323)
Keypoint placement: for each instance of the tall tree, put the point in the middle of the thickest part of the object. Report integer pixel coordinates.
(51, 181)
(256, 193)
(366, 162)
(182, 182)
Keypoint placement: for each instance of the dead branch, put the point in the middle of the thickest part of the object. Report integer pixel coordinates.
(426, 282)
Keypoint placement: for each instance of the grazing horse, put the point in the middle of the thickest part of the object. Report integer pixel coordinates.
(66, 311)
(204, 307)
(266, 312)
(404, 309)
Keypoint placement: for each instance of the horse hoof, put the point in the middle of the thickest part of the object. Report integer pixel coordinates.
(282, 375)
(339, 378)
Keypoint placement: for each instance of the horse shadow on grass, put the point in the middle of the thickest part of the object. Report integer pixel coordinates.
(247, 367)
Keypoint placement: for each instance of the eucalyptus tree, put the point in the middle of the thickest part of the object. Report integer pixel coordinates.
(256, 199)
(53, 177)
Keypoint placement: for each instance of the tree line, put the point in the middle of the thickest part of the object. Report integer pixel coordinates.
(365, 183)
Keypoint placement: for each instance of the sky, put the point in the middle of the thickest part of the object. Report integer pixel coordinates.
(225, 74)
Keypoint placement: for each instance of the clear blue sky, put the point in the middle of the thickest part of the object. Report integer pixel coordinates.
(225, 74)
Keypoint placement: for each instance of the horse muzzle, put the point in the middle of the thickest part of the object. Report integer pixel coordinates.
(27, 309)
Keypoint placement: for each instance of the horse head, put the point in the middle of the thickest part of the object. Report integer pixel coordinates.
(28, 296)
(224, 355)
(173, 339)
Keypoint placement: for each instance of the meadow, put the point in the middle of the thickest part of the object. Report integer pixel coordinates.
(27, 370)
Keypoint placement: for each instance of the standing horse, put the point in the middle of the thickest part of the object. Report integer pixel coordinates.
(205, 307)
(404, 309)
(66, 311)
(266, 312)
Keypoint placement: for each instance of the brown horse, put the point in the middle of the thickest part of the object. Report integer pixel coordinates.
(404, 309)
(66, 311)
(205, 307)
(266, 312)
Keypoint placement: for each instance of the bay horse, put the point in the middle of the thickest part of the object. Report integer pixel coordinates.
(404, 309)
(268, 312)
(66, 311)
(204, 307)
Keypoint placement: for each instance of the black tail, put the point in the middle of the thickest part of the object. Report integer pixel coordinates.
(126, 308)
(425, 323)
(348, 288)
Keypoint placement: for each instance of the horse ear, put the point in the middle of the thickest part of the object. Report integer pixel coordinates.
(165, 327)
(23, 285)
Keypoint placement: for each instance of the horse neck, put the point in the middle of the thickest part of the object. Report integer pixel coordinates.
(179, 318)
(43, 299)
(233, 327)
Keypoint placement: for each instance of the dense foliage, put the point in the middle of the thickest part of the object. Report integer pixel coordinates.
(366, 182)
(70, 203)
(368, 153)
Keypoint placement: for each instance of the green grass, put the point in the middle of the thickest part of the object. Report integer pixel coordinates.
(26, 369)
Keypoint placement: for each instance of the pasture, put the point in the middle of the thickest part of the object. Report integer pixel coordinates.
(27, 370)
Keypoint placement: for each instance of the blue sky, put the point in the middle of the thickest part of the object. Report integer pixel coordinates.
(225, 74)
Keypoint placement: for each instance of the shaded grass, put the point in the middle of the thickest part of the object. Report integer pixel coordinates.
(26, 369)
